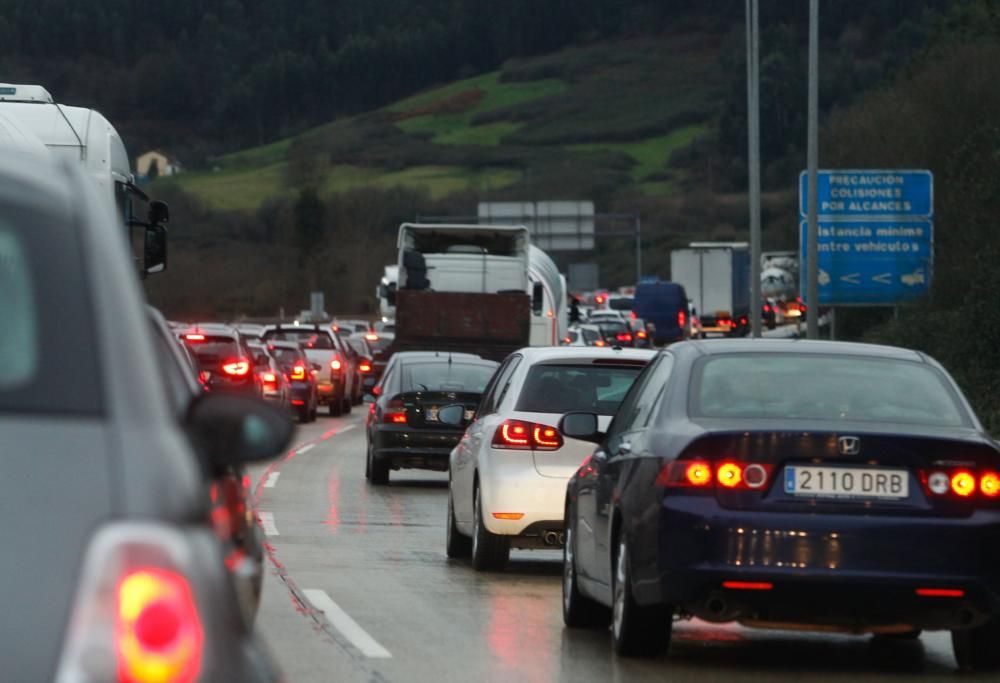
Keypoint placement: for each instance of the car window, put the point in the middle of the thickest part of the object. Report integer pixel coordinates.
(856, 388)
(625, 418)
(286, 356)
(572, 335)
(311, 339)
(47, 341)
(444, 376)
(178, 388)
(560, 388)
(590, 335)
(212, 351)
(650, 396)
(504, 384)
(499, 383)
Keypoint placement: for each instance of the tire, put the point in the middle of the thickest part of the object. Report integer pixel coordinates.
(378, 470)
(978, 649)
(637, 631)
(347, 406)
(578, 610)
(490, 552)
(314, 412)
(336, 408)
(368, 462)
(303, 414)
(457, 545)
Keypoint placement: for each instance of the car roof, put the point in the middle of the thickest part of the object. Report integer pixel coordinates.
(423, 355)
(538, 354)
(463, 358)
(799, 346)
(212, 329)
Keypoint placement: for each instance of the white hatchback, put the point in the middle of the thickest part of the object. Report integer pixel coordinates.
(507, 477)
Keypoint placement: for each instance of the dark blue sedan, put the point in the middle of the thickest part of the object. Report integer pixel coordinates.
(788, 484)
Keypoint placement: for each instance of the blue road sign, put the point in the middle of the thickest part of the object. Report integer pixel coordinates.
(868, 193)
(876, 262)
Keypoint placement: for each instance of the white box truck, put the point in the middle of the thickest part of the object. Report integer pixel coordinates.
(716, 277)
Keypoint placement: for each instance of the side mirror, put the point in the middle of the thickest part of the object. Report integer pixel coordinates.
(369, 398)
(582, 426)
(155, 249)
(159, 212)
(452, 415)
(237, 430)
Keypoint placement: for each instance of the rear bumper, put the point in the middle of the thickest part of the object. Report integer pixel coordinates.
(405, 447)
(510, 483)
(328, 392)
(825, 569)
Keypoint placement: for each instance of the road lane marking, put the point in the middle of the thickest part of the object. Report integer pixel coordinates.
(305, 449)
(271, 480)
(346, 429)
(347, 627)
(267, 523)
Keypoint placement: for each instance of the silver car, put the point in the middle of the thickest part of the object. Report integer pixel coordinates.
(110, 566)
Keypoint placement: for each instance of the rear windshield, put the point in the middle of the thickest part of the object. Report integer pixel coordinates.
(621, 304)
(214, 351)
(819, 387)
(286, 356)
(612, 326)
(311, 339)
(565, 388)
(444, 376)
(47, 340)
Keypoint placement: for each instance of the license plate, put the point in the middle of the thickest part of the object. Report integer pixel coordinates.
(844, 482)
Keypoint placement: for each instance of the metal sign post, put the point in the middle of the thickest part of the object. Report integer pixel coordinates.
(753, 157)
(812, 161)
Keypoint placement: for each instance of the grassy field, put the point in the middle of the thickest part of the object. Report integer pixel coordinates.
(592, 120)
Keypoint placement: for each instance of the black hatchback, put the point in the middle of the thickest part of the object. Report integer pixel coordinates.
(403, 428)
(225, 362)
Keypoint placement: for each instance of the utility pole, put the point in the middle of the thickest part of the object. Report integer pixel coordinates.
(753, 154)
(812, 160)
(638, 249)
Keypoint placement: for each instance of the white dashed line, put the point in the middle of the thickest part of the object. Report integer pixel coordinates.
(271, 480)
(267, 523)
(305, 449)
(349, 628)
(345, 429)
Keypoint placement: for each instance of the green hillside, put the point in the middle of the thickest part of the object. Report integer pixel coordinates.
(593, 120)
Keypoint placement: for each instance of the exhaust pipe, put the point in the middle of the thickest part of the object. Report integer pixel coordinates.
(553, 538)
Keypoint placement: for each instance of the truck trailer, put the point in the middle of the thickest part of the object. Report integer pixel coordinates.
(716, 277)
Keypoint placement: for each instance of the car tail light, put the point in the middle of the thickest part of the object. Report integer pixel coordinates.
(364, 366)
(158, 633)
(137, 617)
(600, 342)
(395, 412)
(641, 334)
(299, 372)
(940, 592)
(371, 337)
(520, 435)
(633, 315)
(729, 475)
(335, 365)
(269, 377)
(203, 378)
(238, 367)
(681, 318)
(194, 337)
(747, 585)
(624, 337)
(961, 484)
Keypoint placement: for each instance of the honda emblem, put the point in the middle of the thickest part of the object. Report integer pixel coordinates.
(849, 445)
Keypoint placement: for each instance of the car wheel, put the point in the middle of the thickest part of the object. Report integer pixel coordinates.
(637, 631)
(490, 551)
(579, 611)
(458, 545)
(347, 406)
(368, 462)
(978, 649)
(336, 408)
(379, 469)
(314, 412)
(303, 414)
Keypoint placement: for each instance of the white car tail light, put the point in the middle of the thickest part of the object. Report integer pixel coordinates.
(136, 617)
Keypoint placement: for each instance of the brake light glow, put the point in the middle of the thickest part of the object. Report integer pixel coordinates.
(729, 475)
(940, 592)
(521, 435)
(624, 337)
(747, 585)
(371, 337)
(299, 372)
(238, 367)
(158, 632)
(600, 342)
(698, 474)
(194, 337)
(364, 366)
(989, 484)
(641, 334)
(270, 377)
(335, 364)
(681, 318)
(963, 484)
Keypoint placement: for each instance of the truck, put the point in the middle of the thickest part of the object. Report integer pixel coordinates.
(32, 122)
(386, 289)
(463, 288)
(549, 301)
(716, 277)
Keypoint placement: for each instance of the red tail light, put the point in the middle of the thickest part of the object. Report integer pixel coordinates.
(395, 412)
(203, 377)
(520, 435)
(269, 377)
(194, 337)
(299, 372)
(335, 364)
(730, 475)
(600, 342)
(238, 367)
(747, 585)
(681, 318)
(158, 632)
(624, 337)
(961, 484)
(633, 315)
(364, 366)
(940, 592)
(371, 337)
(641, 334)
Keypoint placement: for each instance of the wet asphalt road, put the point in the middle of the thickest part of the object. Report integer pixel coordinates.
(359, 588)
